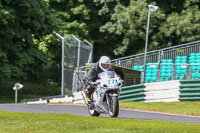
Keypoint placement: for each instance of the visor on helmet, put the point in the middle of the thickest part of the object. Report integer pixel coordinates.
(105, 66)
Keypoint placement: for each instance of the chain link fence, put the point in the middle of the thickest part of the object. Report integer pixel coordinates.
(76, 54)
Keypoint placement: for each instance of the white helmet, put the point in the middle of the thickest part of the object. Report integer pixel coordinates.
(104, 63)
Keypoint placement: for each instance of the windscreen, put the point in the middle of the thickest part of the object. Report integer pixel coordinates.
(109, 74)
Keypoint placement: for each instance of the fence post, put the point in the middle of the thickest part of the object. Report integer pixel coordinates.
(62, 82)
(91, 52)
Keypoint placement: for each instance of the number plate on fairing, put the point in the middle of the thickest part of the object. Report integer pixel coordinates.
(112, 82)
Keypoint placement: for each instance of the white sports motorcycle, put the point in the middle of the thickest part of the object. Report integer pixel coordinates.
(105, 96)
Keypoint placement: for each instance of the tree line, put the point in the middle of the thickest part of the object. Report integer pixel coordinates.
(30, 51)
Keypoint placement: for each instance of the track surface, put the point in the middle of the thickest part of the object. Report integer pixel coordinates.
(82, 110)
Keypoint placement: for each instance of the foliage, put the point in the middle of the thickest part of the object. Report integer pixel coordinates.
(129, 24)
(30, 51)
(23, 24)
(183, 27)
(4, 99)
(47, 88)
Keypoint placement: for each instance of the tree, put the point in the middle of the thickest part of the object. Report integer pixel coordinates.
(183, 27)
(23, 25)
(128, 25)
(83, 18)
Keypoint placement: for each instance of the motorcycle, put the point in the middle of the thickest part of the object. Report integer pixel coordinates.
(105, 98)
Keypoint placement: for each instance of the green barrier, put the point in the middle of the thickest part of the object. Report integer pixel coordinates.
(141, 99)
(189, 85)
(189, 90)
(189, 99)
(190, 94)
(132, 93)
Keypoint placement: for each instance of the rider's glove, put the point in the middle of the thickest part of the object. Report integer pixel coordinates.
(95, 84)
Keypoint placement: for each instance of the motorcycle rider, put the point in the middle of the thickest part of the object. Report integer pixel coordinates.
(104, 64)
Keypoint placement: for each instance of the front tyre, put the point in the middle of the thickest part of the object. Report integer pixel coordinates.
(114, 106)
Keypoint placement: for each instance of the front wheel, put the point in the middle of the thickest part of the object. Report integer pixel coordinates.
(114, 106)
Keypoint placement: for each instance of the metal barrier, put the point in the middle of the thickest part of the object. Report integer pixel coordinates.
(76, 54)
(170, 91)
(158, 55)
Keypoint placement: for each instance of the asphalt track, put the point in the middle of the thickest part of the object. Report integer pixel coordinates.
(82, 110)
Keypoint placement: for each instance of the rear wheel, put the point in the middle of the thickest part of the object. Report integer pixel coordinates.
(114, 106)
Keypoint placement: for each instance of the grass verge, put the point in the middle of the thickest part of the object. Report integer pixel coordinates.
(64, 123)
(183, 108)
(6, 100)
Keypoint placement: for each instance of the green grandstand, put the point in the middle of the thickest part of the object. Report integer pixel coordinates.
(172, 74)
(180, 62)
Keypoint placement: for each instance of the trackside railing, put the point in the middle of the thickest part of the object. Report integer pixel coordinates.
(158, 55)
(155, 57)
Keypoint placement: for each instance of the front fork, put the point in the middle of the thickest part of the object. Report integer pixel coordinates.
(110, 95)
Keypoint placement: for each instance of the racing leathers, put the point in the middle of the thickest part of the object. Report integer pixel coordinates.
(91, 77)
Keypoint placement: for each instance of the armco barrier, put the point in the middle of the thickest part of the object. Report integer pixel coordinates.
(50, 99)
(152, 92)
(190, 90)
(166, 91)
(132, 93)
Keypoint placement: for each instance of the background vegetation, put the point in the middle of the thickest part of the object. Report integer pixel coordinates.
(30, 51)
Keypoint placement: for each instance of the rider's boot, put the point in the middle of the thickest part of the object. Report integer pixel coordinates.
(88, 95)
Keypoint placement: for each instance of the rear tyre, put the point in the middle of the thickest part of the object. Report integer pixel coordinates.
(114, 107)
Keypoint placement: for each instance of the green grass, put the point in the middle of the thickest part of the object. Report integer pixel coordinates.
(64, 123)
(184, 108)
(24, 97)
(6, 100)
